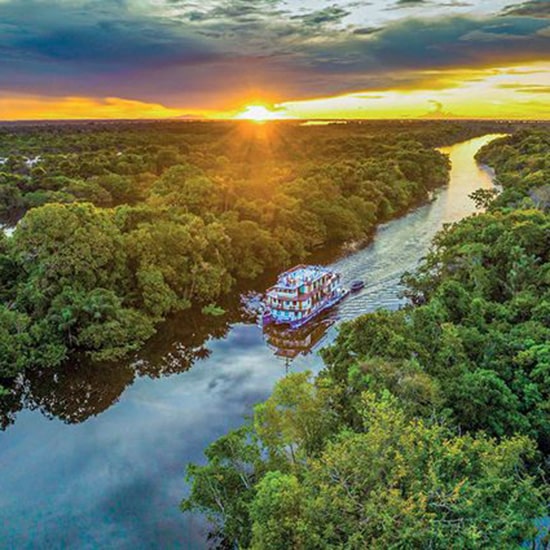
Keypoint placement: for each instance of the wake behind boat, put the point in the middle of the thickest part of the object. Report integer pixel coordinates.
(301, 294)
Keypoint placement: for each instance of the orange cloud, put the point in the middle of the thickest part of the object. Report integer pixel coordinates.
(55, 108)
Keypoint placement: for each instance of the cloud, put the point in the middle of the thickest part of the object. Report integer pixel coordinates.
(329, 15)
(437, 112)
(455, 4)
(219, 53)
(232, 11)
(366, 30)
(526, 88)
(534, 8)
(66, 33)
(403, 4)
(530, 90)
(479, 36)
(443, 43)
(523, 71)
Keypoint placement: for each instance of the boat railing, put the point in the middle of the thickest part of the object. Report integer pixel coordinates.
(282, 294)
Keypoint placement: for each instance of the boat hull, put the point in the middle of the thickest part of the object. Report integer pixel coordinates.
(267, 318)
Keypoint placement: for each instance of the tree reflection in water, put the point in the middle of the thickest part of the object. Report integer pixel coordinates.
(76, 390)
(80, 388)
(11, 404)
(182, 341)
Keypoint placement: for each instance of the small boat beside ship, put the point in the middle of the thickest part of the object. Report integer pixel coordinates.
(300, 294)
(356, 286)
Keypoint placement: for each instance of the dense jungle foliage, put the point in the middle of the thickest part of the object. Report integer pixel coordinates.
(121, 224)
(429, 427)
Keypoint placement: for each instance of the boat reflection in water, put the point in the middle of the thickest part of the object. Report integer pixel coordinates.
(288, 343)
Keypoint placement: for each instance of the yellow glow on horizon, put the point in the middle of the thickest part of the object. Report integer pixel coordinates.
(495, 93)
(514, 92)
(258, 113)
(31, 107)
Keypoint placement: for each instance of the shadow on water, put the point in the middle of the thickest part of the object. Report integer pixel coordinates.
(94, 453)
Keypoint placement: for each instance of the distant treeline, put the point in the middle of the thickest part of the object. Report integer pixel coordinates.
(429, 427)
(110, 164)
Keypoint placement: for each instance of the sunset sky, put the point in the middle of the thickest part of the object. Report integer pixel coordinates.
(274, 59)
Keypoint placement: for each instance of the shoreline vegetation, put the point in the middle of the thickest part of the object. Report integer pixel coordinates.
(123, 224)
(428, 424)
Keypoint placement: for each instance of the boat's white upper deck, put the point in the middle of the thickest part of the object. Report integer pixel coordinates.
(302, 274)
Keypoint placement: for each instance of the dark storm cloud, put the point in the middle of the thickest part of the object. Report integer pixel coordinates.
(78, 50)
(437, 44)
(330, 14)
(534, 8)
(45, 47)
(409, 2)
(61, 33)
(200, 54)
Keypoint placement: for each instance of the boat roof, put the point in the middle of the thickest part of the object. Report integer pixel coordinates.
(300, 274)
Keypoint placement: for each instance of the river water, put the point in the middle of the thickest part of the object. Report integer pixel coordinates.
(93, 456)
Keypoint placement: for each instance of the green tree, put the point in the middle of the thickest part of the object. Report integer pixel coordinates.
(483, 197)
(277, 513)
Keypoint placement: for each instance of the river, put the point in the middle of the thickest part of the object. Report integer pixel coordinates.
(93, 456)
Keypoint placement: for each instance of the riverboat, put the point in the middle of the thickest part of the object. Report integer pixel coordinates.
(301, 294)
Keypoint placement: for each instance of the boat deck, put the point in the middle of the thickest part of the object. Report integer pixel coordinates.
(300, 275)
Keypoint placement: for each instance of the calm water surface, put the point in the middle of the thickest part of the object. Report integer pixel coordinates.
(93, 456)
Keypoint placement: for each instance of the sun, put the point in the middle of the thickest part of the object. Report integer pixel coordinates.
(258, 113)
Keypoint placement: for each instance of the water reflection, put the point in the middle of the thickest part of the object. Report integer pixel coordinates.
(289, 344)
(76, 390)
(10, 405)
(80, 388)
(182, 342)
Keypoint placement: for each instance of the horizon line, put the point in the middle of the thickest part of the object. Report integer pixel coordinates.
(276, 120)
